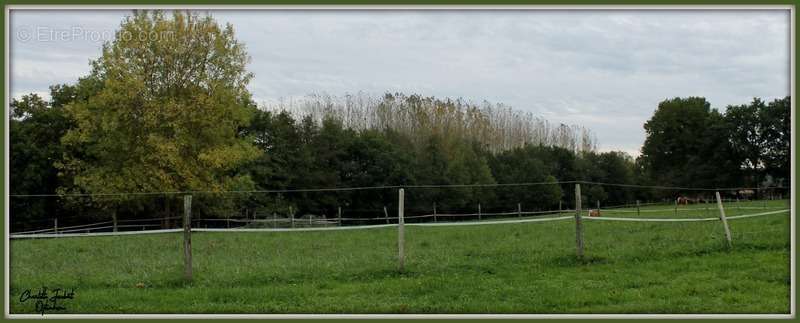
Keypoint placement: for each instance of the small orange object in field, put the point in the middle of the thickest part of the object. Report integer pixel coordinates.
(594, 212)
(140, 285)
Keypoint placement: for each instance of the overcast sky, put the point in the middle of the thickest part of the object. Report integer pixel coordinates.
(605, 70)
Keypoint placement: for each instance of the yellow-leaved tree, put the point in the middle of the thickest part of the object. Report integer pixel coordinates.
(169, 112)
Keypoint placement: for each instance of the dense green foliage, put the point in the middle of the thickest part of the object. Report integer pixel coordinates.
(632, 267)
(166, 115)
(689, 144)
(173, 114)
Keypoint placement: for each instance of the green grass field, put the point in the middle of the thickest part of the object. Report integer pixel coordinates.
(631, 267)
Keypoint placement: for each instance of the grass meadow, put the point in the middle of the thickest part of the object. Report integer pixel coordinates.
(630, 267)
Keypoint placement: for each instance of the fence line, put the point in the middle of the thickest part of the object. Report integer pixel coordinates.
(337, 228)
(352, 227)
(757, 214)
(109, 227)
(437, 224)
(421, 186)
(84, 225)
(84, 229)
(95, 234)
(679, 209)
(33, 231)
(686, 219)
(630, 205)
(326, 220)
(153, 219)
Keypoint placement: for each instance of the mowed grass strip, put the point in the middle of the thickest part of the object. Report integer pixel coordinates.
(631, 267)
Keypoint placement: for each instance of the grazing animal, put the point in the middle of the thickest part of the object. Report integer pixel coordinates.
(594, 212)
(682, 200)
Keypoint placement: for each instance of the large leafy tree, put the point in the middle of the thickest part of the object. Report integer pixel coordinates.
(527, 164)
(776, 136)
(283, 161)
(745, 134)
(687, 145)
(35, 128)
(759, 135)
(169, 113)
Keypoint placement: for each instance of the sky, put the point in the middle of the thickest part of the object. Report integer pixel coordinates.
(602, 69)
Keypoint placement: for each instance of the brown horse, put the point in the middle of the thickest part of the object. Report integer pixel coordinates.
(594, 212)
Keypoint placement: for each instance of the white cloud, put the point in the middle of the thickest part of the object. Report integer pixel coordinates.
(606, 70)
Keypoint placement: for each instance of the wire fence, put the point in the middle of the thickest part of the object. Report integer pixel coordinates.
(435, 205)
(75, 232)
(365, 208)
(300, 225)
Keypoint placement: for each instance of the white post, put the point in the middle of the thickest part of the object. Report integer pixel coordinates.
(55, 225)
(519, 210)
(114, 219)
(291, 216)
(724, 221)
(340, 216)
(479, 211)
(187, 237)
(400, 232)
(434, 212)
(578, 224)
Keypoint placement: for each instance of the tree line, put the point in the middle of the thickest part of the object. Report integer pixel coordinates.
(495, 126)
(690, 144)
(175, 115)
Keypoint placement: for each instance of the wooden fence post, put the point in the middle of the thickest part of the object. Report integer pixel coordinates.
(400, 230)
(479, 211)
(519, 210)
(339, 216)
(559, 206)
(187, 237)
(598, 205)
(114, 218)
(55, 225)
(724, 221)
(434, 212)
(637, 208)
(291, 216)
(578, 224)
(386, 214)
